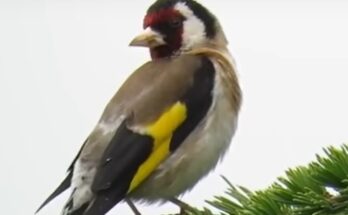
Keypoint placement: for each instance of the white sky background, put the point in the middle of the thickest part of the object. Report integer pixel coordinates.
(61, 61)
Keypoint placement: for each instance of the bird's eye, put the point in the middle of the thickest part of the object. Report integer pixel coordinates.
(175, 23)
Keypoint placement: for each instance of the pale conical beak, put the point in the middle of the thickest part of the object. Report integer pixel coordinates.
(148, 38)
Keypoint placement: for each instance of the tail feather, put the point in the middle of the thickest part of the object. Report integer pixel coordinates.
(82, 203)
(80, 211)
(61, 188)
(79, 200)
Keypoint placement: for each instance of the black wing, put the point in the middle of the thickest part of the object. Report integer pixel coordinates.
(122, 158)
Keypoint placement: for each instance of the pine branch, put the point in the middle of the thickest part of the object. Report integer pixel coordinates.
(320, 188)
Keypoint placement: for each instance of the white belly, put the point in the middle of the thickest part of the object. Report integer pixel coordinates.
(196, 157)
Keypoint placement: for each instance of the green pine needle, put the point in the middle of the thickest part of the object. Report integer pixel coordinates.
(320, 188)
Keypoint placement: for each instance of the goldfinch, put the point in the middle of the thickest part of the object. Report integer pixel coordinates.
(169, 124)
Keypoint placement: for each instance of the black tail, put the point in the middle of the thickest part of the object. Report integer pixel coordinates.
(61, 188)
(80, 211)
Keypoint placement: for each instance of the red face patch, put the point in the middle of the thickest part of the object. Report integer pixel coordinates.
(169, 23)
(161, 16)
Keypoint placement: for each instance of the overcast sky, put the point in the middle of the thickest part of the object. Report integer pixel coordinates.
(61, 61)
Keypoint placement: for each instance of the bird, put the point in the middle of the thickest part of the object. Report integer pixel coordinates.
(168, 125)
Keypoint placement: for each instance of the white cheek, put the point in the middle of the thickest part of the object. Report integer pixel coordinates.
(194, 29)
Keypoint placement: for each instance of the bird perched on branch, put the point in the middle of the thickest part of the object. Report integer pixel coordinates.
(168, 125)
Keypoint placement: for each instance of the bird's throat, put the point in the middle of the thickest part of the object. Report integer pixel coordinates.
(162, 52)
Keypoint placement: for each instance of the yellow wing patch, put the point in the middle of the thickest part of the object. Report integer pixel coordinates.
(168, 122)
(161, 131)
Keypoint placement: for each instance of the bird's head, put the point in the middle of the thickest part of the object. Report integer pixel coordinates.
(175, 26)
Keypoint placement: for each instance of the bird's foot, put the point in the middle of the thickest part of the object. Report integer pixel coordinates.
(132, 206)
(184, 208)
